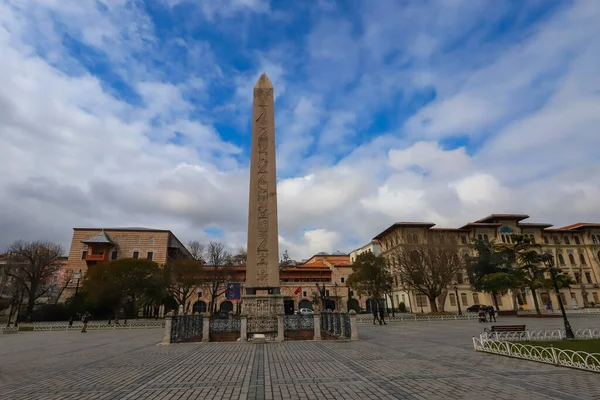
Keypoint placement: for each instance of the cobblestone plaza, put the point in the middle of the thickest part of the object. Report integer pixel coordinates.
(411, 360)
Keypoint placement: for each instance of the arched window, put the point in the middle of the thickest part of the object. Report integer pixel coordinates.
(199, 307)
(480, 236)
(571, 259)
(151, 240)
(137, 240)
(561, 259)
(486, 238)
(415, 238)
(581, 258)
(567, 241)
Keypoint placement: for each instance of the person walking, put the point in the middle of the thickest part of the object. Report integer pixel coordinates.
(375, 313)
(492, 313)
(381, 315)
(85, 320)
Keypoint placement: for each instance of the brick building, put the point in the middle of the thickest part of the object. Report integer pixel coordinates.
(576, 249)
(92, 245)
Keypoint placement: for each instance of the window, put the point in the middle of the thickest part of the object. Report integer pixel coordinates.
(485, 237)
(588, 277)
(113, 255)
(503, 239)
(576, 238)
(343, 280)
(577, 277)
(599, 255)
(463, 299)
(581, 258)
(136, 254)
(199, 295)
(304, 294)
(137, 240)
(463, 239)
(415, 238)
(327, 293)
(452, 300)
(459, 278)
(595, 296)
(546, 239)
(594, 240)
(555, 239)
(532, 238)
(573, 296)
(571, 259)
(567, 241)
(83, 254)
(561, 259)
(480, 236)
(475, 298)
(150, 255)
(403, 299)
(421, 300)
(508, 239)
(151, 240)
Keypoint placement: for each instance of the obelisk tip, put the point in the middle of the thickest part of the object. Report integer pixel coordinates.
(263, 82)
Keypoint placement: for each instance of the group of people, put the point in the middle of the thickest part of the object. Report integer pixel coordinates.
(378, 315)
(487, 312)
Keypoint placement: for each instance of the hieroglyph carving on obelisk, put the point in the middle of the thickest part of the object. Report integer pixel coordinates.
(262, 269)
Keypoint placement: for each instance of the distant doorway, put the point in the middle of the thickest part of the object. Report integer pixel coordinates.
(329, 305)
(305, 304)
(288, 306)
(353, 305)
(226, 307)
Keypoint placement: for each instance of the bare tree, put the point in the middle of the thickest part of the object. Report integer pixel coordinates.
(196, 249)
(61, 286)
(32, 265)
(429, 269)
(217, 272)
(240, 257)
(184, 276)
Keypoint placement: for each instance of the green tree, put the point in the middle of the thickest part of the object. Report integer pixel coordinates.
(489, 271)
(370, 276)
(116, 283)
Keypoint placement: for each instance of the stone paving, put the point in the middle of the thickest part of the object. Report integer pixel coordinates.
(424, 360)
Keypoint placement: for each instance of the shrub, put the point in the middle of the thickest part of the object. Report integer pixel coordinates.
(402, 307)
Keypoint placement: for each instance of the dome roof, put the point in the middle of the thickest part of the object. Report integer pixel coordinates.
(339, 253)
(322, 253)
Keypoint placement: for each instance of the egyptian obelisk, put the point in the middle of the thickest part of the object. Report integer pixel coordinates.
(262, 265)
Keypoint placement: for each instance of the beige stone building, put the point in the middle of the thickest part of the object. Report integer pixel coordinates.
(372, 247)
(93, 245)
(576, 249)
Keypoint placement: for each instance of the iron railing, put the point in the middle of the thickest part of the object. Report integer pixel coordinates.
(298, 322)
(186, 327)
(232, 324)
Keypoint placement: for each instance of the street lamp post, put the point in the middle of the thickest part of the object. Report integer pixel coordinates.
(457, 299)
(549, 261)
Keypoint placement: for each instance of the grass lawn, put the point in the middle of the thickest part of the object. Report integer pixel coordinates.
(589, 346)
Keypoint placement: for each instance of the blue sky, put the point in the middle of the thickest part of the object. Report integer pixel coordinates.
(131, 112)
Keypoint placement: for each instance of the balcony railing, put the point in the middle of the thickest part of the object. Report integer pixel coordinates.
(96, 257)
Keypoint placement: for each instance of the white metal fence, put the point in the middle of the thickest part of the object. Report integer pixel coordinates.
(548, 355)
(540, 335)
(367, 318)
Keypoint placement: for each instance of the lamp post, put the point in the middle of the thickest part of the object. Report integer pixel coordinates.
(457, 299)
(549, 261)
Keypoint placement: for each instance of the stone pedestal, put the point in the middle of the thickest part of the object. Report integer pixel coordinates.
(317, 326)
(205, 328)
(280, 333)
(268, 305)
(353, 325)
(168, 327)
(243, 328)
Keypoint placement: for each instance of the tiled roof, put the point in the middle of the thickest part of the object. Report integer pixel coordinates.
(101, 237)
(492, 217)
(124, 228)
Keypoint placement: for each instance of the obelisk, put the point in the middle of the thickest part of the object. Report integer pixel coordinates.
(262, 264)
